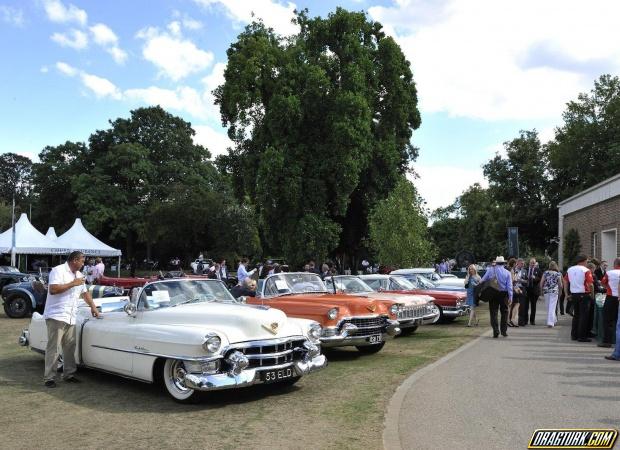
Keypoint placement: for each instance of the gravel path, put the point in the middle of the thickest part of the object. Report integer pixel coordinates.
(493, 393)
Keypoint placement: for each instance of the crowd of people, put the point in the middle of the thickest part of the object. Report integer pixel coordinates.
(513, 289)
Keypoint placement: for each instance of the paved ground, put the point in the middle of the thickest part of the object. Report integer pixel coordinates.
(493, 393)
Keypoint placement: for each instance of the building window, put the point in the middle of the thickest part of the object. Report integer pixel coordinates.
(593, 250)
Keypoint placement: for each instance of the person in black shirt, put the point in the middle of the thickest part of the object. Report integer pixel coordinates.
(248, 289)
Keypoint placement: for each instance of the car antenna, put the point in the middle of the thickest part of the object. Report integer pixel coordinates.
(334, 284)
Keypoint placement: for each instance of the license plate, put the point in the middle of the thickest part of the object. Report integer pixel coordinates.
(376, 339)
(273, 376)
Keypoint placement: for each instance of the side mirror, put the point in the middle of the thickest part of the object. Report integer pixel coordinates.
(131, 309)
(242, 299)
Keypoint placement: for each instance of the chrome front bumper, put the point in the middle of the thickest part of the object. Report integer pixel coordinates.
(430, 317)
(248, 377)
(344, 339)
(456, 311)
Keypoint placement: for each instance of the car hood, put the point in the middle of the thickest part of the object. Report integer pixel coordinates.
(237, 323)
(407, 299)
(443, 295)
(356, 304)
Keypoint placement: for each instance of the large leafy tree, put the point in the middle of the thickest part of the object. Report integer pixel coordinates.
(520, 183)
(322, 123)
(475, 222)
(398, 228)
(53, 177)
(16, 178)
(586, 148)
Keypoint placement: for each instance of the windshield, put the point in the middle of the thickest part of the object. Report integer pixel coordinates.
(171, 293)
(293, 283)
(8, 269)
(420, 282)
(403, 283)
(350, 285)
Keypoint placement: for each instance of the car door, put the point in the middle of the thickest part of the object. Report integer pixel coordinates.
(108, 343)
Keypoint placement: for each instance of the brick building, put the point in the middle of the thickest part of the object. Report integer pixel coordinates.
(595, 214)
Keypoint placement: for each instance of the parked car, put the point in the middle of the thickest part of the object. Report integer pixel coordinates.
(9, 275)
(443, 280)
(451, 304)
(191, 335)
(21, 299)
(200, 266)
(346, 320)
(413, 311)
(125, 282)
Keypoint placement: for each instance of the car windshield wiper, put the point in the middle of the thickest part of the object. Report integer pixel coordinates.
(193, 300)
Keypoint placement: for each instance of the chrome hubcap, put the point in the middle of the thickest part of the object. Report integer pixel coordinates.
(178, 376)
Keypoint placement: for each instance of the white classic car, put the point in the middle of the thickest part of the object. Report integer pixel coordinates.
(414, 309)
(192, 336)
(441, 281)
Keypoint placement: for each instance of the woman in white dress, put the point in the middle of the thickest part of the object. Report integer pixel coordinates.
(551, 285)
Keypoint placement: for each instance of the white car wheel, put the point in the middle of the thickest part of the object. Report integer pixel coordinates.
(173, 376)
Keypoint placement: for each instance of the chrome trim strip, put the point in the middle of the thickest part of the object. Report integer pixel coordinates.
(161, 355)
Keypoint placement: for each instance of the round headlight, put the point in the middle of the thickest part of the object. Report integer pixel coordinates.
(212, 343)
(394, 309)
(332, 313)
(314, 333)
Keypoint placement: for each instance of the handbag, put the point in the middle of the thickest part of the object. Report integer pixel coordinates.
(493, 283)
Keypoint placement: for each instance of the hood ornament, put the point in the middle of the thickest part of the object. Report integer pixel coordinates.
(372, 307)
(272, 327)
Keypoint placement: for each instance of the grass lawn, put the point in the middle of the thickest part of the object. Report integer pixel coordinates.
(340, 407)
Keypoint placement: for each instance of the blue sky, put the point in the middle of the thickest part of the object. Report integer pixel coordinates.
(484, 69)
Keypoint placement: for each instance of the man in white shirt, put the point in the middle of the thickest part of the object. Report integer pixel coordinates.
(65, 288)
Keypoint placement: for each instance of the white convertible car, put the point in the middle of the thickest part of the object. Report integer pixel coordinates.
(192, 336)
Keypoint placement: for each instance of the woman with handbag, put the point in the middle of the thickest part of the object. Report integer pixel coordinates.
(471, 281)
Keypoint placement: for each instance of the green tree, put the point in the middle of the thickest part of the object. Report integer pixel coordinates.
(572, 246)
(520, 183)
(53, 176)
(475, 222)
(398, 229)
(586, 148)
(16, 177)
(322, 123)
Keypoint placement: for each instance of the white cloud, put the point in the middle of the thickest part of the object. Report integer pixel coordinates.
(495, 60)
(106, 38)
(103, 35)
(12, 15)
(439, 186)
(216, 142)
(99, 86)
(188, 22)
(66, 69)
(183, 98)
(44, 69)
(175, 56)
(119, 55)
(273, 13)
(74, 38)
(58, 12)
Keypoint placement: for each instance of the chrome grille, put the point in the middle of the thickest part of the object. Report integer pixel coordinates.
(412, 312)
(366, 326)
(266, 354)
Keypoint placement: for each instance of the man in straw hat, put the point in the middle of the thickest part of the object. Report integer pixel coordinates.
(500, 282)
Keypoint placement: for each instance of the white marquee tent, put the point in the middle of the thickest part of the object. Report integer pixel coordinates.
(51, 233)
(78, 238)
(29, 240)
